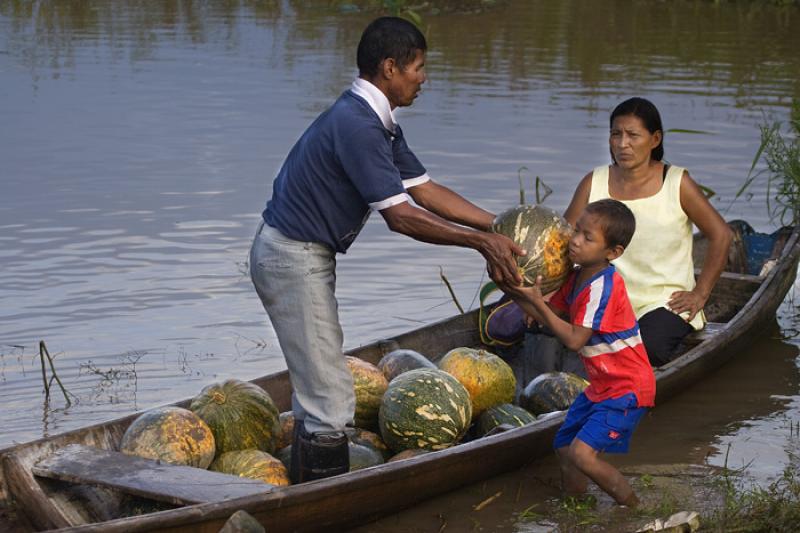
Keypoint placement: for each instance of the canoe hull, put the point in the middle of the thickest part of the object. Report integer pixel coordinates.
(358, 497)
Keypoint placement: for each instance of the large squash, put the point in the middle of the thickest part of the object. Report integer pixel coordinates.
(241, 415)
(286, 435)
(506, 413)
(424, 408)
(398, 361)
(369, 384)
(170, 434)
(545, 235)
(488, 379)
(552, 391)
(253, 464)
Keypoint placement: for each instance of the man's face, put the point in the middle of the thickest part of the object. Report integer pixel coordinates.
(406, 83)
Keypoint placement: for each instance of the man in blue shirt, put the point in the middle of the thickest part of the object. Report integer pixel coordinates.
(352, 160)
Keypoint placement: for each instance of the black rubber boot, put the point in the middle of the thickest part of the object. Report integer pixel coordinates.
(319, 455)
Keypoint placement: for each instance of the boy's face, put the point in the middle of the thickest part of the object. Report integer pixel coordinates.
(588, 247)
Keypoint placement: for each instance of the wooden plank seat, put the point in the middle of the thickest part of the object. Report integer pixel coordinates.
(696, 337)
(179, 485)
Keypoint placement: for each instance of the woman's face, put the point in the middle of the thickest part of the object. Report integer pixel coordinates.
(631, 142)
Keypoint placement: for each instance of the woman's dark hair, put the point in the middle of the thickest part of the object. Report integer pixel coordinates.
(388, 37)
(616, 219)
(648, 114)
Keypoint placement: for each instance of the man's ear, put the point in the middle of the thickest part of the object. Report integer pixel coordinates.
(387, 67)
(614, 252)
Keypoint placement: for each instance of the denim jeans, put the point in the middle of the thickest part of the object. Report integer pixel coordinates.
(296, 282)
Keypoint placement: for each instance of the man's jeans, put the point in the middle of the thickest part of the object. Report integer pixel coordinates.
(296, 282)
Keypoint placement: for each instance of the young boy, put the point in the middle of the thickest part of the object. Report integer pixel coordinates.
(603, 329)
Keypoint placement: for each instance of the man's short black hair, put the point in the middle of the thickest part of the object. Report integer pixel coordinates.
(388, 37)
(616, 219)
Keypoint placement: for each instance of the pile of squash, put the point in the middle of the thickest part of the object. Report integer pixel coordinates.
(405, 406)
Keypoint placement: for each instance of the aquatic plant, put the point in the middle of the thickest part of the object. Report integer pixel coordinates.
(772, 508)
(780, 152)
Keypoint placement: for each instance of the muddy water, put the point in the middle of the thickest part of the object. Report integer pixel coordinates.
(138, 147)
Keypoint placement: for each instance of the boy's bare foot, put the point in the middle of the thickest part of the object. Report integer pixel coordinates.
(630, 501)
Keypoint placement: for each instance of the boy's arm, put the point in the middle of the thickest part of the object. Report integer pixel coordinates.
(572, 336)
(531, 301)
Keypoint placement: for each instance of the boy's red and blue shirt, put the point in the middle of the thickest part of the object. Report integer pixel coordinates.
(615, 359)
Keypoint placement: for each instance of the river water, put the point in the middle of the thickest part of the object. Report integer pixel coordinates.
(139, 142)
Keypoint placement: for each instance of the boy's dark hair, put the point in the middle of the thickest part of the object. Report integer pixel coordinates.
(647, 112)
(388, 37)
(616, 219)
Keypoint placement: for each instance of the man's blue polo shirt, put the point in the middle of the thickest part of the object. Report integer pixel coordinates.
(345, 162)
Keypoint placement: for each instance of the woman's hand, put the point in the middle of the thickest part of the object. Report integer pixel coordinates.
(691, 302)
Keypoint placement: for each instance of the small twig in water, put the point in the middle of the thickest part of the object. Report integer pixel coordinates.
(444, 522)
(450, 288)
(487, 501)
(42, 353)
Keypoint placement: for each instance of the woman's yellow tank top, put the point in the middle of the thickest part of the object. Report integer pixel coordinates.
(658, 260)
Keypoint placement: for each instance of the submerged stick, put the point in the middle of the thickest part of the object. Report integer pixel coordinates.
(42, 352)
(487, 501)
(450, 288)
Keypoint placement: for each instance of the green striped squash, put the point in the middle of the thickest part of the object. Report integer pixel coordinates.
(369, 439)
(286, 421)
(253, 464)
(398, 361)
(361, 456)
(241, 415)
(545, 235)
(552, 391)
(170, 434)
(424, 408)
(506, 413)
(369, 384)
(407, 454)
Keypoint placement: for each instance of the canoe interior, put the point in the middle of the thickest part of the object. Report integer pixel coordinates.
(49, 503)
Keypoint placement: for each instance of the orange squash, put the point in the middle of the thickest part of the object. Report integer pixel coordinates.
(488, 379)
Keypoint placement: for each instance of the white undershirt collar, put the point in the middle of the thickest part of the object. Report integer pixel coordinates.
(377, 101)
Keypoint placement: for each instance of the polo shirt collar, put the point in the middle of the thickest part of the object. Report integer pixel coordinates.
(377, 101)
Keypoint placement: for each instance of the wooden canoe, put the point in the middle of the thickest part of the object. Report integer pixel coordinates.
(739, 307)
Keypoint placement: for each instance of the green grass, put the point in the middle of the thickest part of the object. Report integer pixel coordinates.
(775, 508)
(780, 152)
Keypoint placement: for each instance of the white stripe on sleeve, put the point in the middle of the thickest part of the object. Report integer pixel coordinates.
(595, 293)
(413, 182)
(389, 202)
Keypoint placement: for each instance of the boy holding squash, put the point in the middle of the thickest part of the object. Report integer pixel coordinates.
(601, 327)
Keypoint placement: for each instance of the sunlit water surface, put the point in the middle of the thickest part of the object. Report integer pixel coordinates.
(138, 147)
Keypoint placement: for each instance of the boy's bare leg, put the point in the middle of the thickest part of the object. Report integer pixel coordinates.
(608, 478)
(573, 481)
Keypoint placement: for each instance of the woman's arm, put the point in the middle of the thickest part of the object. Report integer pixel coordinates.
(719, 235)
(579, 200)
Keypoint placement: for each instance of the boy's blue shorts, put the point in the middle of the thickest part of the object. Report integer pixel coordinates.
(606, 426)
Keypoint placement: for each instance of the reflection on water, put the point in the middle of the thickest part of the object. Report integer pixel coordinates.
(139, 145)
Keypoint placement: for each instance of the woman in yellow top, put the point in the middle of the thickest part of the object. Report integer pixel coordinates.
(657, 265)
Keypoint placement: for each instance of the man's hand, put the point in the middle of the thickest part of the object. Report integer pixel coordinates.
(687, 301)
(500, 253)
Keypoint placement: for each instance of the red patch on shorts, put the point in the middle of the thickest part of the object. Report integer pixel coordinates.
(613, 435)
